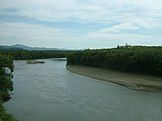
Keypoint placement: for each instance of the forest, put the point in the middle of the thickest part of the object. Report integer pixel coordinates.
(34, 54)
(136, 59)
(6, 85)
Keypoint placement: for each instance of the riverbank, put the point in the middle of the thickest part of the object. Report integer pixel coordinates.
(4, 116)
(34, 62)
(133, 81)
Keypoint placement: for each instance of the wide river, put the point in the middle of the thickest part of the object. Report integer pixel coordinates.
(49, 92)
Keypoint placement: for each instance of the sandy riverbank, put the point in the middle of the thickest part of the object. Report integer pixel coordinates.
(34, 62)
(133, 81)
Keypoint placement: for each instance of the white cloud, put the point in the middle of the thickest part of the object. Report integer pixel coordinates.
(121, 27)
(91, 11)
(123, 19)
(36, 35)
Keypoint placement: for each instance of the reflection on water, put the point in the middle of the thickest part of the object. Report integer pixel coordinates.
(49, 92)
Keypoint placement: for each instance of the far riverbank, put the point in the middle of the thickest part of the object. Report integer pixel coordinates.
(133, 81)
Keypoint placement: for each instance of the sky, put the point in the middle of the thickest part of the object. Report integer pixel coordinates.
(80, 24)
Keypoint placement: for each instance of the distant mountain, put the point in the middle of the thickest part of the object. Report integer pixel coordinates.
(23, 47)
(2, 47)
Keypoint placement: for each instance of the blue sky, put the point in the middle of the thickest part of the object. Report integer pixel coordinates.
(78, 24)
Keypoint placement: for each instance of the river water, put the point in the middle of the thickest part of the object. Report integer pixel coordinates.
(49, 92)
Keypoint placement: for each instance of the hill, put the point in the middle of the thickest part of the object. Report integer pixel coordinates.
(3, 47)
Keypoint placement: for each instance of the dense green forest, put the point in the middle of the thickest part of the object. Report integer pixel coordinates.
(34, 54)
(6, 85)
(141, 59)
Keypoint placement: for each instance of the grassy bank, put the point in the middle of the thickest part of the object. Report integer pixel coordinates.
(4, 116)
(133, 81)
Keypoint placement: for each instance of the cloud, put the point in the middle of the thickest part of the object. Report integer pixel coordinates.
(35, 35)
(121, 27)
(113, 21)
(87, 11)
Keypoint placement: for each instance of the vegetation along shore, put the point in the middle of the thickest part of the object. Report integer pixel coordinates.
(6, 85)
(137, 60)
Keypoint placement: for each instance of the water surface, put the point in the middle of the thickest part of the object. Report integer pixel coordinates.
(49, 92)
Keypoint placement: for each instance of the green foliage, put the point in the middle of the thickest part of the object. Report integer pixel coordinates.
(5, 116)
(6, 85)
(6, 69)
(34, 54)
(139, 59)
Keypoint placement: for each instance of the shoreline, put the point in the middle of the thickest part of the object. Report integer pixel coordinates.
(132, 81)
(34, 62)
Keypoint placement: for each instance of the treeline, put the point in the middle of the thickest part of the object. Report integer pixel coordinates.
(141, 59)
(34, 54)
(6, 85)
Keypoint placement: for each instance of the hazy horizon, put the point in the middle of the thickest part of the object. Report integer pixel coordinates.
(77, 24)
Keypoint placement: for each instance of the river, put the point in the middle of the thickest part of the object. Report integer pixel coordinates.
(49, 92)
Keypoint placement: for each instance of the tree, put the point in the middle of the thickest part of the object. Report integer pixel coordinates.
(6, 84)
(124, 58)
